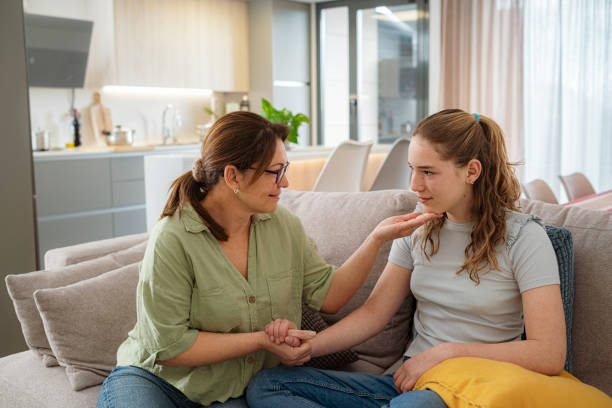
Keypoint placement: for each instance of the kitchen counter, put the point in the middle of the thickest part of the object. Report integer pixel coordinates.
(294, 154)
(116, 151)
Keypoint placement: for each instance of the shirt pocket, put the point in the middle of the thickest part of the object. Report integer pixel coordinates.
(285, 302)
(214, 310)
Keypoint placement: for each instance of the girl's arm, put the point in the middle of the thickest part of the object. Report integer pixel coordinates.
(390, 291)
(351, 275)
(543, 351)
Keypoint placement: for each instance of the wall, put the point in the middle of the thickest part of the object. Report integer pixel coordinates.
(18, 238)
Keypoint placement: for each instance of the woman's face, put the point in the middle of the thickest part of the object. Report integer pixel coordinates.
(262, 196)
(440, 185)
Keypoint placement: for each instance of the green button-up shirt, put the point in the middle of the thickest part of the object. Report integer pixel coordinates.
(187, 283)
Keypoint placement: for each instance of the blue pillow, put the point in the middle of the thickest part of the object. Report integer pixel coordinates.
(563, 245)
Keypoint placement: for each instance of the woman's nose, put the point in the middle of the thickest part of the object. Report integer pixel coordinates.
(284, 181)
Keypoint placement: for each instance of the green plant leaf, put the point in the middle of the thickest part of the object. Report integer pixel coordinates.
(284, 116)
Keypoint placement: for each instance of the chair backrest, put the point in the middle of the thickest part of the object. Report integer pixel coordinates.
(539, 190)
(344, 169)
(576, 185)
(394, 172)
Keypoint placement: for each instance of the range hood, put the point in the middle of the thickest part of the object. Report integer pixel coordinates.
(56, 50)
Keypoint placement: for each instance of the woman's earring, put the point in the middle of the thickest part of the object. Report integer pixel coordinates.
(236, 191)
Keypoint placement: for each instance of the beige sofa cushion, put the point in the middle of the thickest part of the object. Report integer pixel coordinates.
(58, 257)
(592, 325)
(87, 321)
(339, 223)
(22, 287)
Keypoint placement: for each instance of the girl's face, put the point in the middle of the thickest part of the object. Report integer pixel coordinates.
(262, 196)
(440, 185)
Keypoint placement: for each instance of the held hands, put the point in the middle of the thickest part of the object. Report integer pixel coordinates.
(288, 343)
(401, 225)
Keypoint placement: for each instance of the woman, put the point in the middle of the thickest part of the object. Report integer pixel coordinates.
(223, 261)
(480, 275)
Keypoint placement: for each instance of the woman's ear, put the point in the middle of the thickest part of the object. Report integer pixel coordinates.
(474, 168)
(232, 177)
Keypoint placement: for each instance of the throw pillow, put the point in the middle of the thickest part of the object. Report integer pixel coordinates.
(87, 321)
(22, 287)
(339, 223)
(468, 382)
(562, 243)
(312, 320)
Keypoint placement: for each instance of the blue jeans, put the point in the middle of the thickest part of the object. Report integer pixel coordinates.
(133, 387)
(310, 387)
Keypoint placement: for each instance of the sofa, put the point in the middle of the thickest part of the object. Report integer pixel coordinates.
(84, 305)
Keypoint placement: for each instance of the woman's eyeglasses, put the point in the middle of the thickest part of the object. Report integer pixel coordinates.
(278, 173)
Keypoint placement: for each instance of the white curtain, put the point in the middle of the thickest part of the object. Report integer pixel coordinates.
(568, 91)
(481, 63)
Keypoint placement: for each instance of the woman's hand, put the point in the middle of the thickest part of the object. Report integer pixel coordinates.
(285, 331)
(289, 355)
(407, 375)
(401, 225)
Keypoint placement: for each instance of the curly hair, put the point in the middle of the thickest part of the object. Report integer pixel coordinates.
(459, 136)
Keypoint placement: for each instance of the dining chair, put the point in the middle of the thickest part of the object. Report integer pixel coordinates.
(576, 185)
(394, 172)
(539, 190)
(343, 170)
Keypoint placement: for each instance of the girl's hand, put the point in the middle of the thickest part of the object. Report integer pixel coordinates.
(401, 225)
(288, 355)
(407, 375)
(285, 331)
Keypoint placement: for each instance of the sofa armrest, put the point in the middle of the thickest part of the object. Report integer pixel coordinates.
(73, 254)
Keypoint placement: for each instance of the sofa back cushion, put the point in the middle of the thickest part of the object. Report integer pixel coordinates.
(86, 322)
(339, 223)
(591, 324)
(21, 289)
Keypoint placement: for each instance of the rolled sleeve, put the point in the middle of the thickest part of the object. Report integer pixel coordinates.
(164, 301)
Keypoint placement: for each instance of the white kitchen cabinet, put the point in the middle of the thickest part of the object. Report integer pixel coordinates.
(182, 44)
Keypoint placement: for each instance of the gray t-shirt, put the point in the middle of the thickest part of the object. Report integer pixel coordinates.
(451, 307)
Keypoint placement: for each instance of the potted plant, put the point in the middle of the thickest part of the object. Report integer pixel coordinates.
(284, 116)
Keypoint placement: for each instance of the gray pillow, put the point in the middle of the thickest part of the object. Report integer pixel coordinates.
(22, 287)
(87, 321)
(339, 223)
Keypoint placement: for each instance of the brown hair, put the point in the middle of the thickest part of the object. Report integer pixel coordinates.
(240, 139)
(459, 136)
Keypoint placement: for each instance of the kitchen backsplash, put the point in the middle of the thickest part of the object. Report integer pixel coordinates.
(138, 109)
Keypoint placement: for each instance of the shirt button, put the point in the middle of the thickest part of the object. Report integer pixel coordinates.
(251, 299)
(250, 360)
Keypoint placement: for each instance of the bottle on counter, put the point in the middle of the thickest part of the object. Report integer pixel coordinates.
(76, 125)
(244, 103)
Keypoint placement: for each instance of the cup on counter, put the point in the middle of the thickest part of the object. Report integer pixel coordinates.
(40, 140)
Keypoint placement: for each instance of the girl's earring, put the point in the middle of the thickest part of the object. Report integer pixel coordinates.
(236, 191)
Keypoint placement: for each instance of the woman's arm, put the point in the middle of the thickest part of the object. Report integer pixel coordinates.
(390, 291)
(351, 275)
(543, 351)
(210, 348)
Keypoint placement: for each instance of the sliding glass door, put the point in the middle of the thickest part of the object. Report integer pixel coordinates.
(373, 64)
